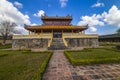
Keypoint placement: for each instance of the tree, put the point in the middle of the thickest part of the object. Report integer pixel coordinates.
(6, 29)
(118, 31)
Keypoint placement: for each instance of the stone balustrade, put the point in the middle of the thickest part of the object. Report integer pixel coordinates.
(78, 35)
(42, 35)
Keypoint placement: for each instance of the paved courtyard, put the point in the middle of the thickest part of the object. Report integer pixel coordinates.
(59, 68)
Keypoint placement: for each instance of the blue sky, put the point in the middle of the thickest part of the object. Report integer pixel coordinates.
(97, 13)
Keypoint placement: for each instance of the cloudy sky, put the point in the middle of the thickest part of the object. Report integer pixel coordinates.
(103, 16)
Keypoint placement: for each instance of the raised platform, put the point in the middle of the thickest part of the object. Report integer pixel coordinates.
(46, 40)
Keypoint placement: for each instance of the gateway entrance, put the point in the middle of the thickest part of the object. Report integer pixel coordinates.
(57, 35)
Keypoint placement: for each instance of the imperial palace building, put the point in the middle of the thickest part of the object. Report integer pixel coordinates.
(55, 33)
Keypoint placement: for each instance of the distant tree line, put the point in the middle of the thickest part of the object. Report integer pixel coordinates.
(8, 38)
(118, 31)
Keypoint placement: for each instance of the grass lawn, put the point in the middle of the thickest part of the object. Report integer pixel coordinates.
(23, 65)
(93, 56)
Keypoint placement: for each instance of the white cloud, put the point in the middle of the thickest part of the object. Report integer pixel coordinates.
(10, 13)
(40, 13)
(20, 29)
(34, 24)
(113, 16)
(92, 21)
(17, 4)
(93, 29)
(98, 4)
(63, 3)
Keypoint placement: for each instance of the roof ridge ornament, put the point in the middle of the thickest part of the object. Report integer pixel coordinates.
(25, 25)
(68, 15)
(87, 26)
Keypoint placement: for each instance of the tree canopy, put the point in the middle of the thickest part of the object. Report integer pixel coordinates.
(6, 29)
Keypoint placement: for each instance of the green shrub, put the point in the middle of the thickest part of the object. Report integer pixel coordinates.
(26, 51)
(118, 47)
(39, 74)
(118, 78)
(93, 56)
(69, 57)
(5, 46)
(2, 55)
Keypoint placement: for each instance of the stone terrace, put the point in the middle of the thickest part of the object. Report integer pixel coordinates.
(59, 68)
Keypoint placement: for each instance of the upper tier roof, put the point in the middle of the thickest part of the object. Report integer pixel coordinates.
(68, 17)
(54, 26)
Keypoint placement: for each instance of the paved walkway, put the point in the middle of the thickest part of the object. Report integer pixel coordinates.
(59, 68)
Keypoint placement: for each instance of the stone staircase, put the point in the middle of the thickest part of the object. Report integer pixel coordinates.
(57, 44)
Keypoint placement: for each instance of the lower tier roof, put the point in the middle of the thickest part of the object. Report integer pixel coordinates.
(44, 27)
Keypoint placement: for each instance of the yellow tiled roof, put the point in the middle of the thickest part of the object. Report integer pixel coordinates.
(56, 27)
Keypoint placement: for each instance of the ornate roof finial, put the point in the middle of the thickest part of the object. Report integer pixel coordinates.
(68, 15)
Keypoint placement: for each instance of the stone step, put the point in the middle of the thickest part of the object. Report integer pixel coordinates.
(56, 48)
(57, 44)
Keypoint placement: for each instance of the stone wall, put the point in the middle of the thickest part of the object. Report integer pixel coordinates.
(43, 43)
(82, 42)
(30, 43)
